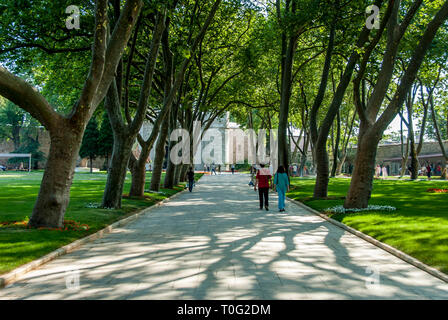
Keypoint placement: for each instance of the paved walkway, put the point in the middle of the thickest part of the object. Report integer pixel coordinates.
(215, 244)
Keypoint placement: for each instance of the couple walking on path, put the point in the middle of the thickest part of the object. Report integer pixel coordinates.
(264, 182)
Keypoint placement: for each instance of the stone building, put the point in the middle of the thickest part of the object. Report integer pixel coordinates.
(8, 147)
(390, 155)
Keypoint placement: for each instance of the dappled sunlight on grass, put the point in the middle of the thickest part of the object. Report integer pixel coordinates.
(419, 227)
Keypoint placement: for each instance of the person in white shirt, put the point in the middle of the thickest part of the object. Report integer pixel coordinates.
(385, 174)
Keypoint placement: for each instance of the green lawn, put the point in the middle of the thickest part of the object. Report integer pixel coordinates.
(18, 191)
(419, 227)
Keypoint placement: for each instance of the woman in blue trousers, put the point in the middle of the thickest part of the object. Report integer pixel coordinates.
(281, 182)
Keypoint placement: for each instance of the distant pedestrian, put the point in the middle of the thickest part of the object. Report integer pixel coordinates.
(233, 168)
(385, 174)
(213, 169)
(219, 168)
(263, 181)
(190, 176)
(428, 171)
(423, 170)
(252, 175)
(377, 171)
(281, 182)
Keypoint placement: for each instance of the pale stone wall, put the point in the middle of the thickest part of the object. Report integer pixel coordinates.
(44, 140)
(390, 154)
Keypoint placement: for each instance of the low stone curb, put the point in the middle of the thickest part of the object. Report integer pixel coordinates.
(17, 273)
(400, 254)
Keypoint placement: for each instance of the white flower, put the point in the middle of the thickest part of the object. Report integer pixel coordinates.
(92, 205)
(341, 209)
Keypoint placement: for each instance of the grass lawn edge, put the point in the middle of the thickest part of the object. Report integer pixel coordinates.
(15, 274)
(398, 253)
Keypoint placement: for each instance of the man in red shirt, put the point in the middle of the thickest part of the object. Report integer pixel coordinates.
(263, 181)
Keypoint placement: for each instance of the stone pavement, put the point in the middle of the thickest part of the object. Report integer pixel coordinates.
(215, 243)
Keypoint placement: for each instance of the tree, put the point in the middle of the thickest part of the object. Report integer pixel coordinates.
(66, 131)
(90, 144)
(293, 18)
(321, 135)
(171, 89)
(373, 124)
(126, 128)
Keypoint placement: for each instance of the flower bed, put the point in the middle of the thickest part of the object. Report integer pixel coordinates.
(435, 190)
(341, 209)
(69, 225)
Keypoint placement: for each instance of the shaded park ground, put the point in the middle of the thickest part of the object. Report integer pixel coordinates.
(419, 226)
(18, 192)
(215, 243)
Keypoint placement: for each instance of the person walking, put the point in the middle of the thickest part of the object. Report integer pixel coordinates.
(378, 171)
(219, 168)
(428, 171)
(281, 183)
(213, 169)
(263, 182)
(233, 168)
(190, 176)
(385, 173)
(251, 172)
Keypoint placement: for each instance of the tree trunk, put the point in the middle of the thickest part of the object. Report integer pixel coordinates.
(54, 193)
(117, 171)
(283, 149)
(169, 175)
(414, 160)
(183, 174)
(322, 173)
(302, 164)
(360, 190)
(413, 150)
(341, 164)
(160, 157)
(138, 172)
(177, 173)
(171, 167)
(336, 147)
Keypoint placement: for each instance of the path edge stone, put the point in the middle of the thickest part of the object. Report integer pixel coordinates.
(16, 274)
(398, 253)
